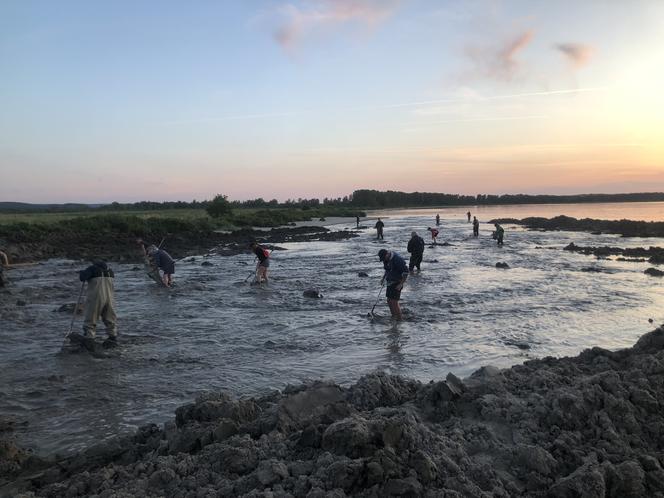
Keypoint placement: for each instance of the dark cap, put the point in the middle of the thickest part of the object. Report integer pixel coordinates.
(381, 254)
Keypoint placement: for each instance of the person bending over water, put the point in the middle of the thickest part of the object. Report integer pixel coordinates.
(396, 273)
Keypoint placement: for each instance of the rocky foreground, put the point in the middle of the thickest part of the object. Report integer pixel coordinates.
(589, 426)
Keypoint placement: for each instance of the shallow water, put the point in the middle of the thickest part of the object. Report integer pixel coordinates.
(216, 332)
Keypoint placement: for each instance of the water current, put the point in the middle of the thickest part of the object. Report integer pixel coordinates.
(215, 332)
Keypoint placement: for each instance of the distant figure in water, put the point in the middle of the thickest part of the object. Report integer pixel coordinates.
(434, 234)
(437, 220)
(99, 302)
(416, 250)
(263, 264)
(379, 229)
(468, 214)
(396, 273)
(357, 221)
(4, 261)
(499, 234)
(476, 227)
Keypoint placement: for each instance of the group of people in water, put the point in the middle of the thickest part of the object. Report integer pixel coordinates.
(100, 297)
(396, 270)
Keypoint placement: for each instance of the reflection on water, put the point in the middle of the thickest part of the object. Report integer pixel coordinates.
(215, 331)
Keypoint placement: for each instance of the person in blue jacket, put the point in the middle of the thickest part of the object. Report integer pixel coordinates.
(396, 273)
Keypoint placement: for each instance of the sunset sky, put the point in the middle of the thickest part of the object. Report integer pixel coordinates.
(157, 100)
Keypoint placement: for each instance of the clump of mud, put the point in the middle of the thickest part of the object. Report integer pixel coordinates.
(589, 426)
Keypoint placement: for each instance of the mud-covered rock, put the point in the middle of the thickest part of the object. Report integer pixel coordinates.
(589, 426)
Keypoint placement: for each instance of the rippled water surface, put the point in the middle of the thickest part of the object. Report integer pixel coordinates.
(215, 331)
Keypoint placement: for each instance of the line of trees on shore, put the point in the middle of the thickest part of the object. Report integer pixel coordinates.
(364, 198)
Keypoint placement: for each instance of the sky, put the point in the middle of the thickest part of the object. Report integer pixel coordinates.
(163, 100)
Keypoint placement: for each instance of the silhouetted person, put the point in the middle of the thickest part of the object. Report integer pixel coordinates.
(416, 250)
(357, 221)
(379, 229)
(468, 214)
(476, 227)
(437, 220)
(500, 233)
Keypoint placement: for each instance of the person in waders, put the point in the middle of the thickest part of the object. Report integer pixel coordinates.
(263, 264)
(499, 234)
(476, 227)
(4, 261)
(99, 302)
(416, 250)
(396, 273)
(379, 229)
(437, 220)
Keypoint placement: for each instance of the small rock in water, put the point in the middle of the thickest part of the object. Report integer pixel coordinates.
(206, 263)
(69, 308)
(502, 265)
(362, 274)
(21, 302)
(136, 268)
(650, 320)
(313, 293)
(654, 272)
(591, 269)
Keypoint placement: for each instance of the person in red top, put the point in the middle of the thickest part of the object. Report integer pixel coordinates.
(263, 256)
(434, 234)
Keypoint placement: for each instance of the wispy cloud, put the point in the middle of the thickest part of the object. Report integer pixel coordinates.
(299, 22)
(578, 55)
(500, 63)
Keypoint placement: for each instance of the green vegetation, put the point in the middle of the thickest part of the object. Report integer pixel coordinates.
(219, 207)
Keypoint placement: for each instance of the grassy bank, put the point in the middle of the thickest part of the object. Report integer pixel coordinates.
(266, 217)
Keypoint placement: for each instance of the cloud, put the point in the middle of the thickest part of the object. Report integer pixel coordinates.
(578, 55)
(299, 22)
(500, 62)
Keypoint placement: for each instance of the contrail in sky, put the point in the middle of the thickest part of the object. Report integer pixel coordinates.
(389, 106)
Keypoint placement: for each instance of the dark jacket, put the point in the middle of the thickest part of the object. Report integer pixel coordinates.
(395, 269)
(416, 245)
(260, 253)
(164, 261)
(379, 225)
(96, 270)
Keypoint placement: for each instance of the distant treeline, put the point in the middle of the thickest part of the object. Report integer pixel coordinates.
(375, 198)
(359, 198)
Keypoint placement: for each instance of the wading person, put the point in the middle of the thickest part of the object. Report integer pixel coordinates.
(99, 302)
(437, 220)
(357, 221)
(499, 234)
(416, 250)
(468, 214)
(396, 273)
(476, 227)
(4, 262)
(263, 264)
(434, 234)
(379, 229)
(163, 261)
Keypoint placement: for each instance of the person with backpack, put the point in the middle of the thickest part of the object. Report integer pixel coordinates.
(396, 273)
(416, 250)
(263, 264)
(379, 229)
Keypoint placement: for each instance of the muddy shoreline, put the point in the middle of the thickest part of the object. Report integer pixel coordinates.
(586, 426)
(121, 248)
(625, 228)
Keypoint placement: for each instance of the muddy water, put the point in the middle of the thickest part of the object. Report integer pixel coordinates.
(216, 332)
